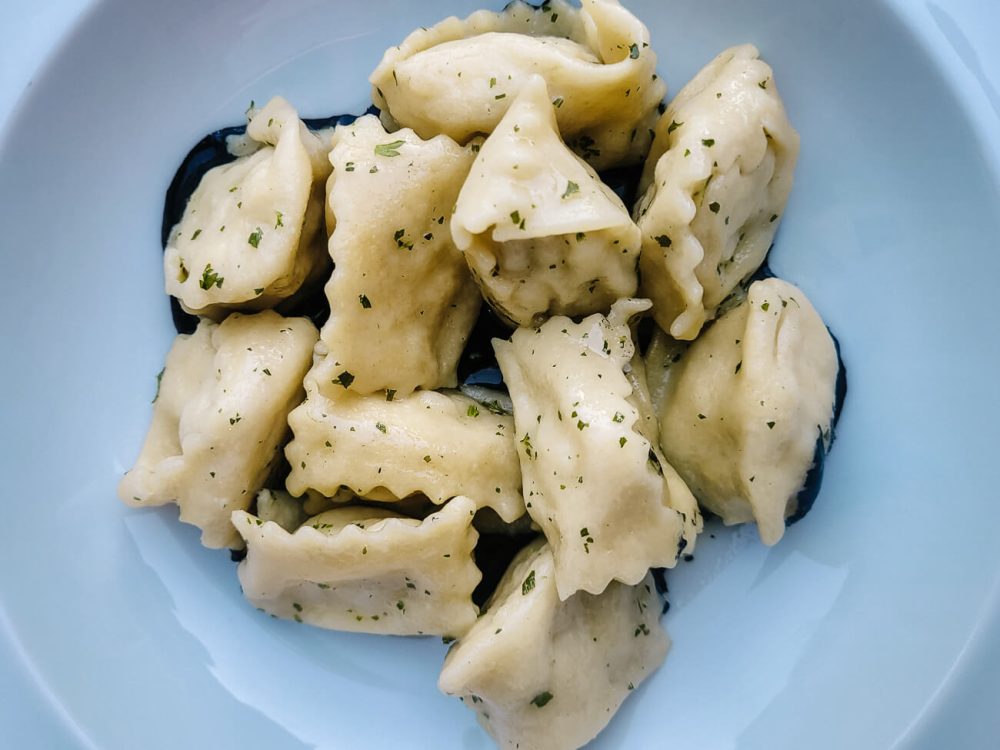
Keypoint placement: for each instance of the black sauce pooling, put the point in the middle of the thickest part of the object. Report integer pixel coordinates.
(814, 479)
(493, 554)
(478, 365)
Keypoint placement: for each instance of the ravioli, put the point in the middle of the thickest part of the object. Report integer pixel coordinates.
(744, 407)
(402, 301)
(608, 502)
(540, 231)
(543, 673)
(460, 76)
(219, 419)
(389, 448)
(251, 236)
(366, 569)
(715, 187)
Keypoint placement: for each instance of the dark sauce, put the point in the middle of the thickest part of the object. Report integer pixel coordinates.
(660, 581)
(478, 364)
(814, 478)
(543, 6)
(764, 272)
(624, 181)
(644, 333)
(493, 554)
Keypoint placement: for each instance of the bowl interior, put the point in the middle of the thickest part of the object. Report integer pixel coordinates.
(136, 636)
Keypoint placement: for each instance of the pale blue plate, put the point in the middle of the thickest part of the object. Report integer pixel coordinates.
(874, 624)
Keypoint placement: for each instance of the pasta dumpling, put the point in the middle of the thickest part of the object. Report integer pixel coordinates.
(252, 233)
(545, 674)
(366, 569)
(460, 76)
(743, 408)
(540, 231)
(607, 501)
(219, 419)
(386, 449)
(402, 301)
(715, 183)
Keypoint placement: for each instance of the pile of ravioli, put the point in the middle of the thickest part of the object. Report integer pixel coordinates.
(348, 462)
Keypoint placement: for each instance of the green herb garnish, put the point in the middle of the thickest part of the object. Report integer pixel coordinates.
(210, 278)
(388, 149)
(344, 379)
(254, 238)
(542, 699)
(528, 584)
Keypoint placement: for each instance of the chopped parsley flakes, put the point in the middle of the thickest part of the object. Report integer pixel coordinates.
(528, 585)
(542, 699)
(402, 241)
(528, 450)
(210, 278)
(388, 149)
(344, 379)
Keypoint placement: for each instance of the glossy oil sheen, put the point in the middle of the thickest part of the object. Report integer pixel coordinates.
(868, 626)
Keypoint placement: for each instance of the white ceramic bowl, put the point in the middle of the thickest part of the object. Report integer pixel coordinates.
(873, 624)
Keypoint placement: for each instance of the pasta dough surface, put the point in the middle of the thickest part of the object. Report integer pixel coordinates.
(460, 76)
(437, 444)
(608, 502)
(220, 417)
(546, 674)
(251, 235)
(540, 231)
(402, 301)
(716, 183)
(366, 569)
(744, 407)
